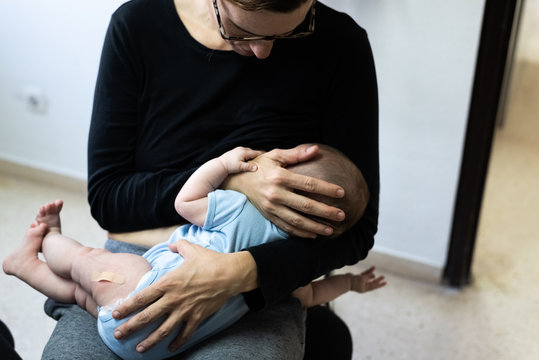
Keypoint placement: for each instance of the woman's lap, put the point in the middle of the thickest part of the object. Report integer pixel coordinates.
(275, 333)
(75, 335)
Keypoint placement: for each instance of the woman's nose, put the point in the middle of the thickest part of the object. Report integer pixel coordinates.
(261, 48)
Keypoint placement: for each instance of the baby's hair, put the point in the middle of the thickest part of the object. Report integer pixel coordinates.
(333, 166)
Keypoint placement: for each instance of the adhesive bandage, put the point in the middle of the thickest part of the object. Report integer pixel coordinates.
(108, 276)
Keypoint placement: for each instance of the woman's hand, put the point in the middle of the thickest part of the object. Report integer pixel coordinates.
(189, 294)
(271, 190)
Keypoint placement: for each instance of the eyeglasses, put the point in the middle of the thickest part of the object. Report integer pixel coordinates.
(292, 35)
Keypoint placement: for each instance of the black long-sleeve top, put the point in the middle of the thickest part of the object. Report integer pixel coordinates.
(164, 104)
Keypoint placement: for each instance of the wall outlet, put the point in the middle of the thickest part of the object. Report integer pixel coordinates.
(35, 99)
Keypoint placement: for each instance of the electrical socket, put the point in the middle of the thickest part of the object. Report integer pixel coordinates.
(35, 99)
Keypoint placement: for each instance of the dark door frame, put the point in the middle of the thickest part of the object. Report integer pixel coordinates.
(495, 50)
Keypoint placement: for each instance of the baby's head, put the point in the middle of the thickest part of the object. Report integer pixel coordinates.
(333, 166)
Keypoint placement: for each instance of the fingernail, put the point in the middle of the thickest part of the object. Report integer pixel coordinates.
(328, 230)
(310, 148)
(340, 216)
(118, 334)
(340, 192)
(140, 348)
(115, 314)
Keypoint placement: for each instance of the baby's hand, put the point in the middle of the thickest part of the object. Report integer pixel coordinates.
(236, 160)
(366, 281)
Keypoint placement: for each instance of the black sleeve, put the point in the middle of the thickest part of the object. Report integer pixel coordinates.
(116, 190)
(351, 125)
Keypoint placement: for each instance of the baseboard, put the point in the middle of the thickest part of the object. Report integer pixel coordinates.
(42, 176)
(387, 263)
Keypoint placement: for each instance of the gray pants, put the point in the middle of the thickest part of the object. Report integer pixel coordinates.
(274, 333)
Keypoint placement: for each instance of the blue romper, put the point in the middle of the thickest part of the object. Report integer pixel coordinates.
(232, 224)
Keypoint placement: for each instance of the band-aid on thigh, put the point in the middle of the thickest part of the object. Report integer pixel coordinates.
(108, 276)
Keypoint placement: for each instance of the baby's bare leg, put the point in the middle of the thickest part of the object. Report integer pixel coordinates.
(66, 275)
(108, 276)
(86, 266)
(57, 249)
(25, 264)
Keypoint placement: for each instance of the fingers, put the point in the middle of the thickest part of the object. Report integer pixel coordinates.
(283, 181)
(283, 214)
(367, 281)
(160, 334)
(244, 153)
(294, 230)
(182, 247)
(141, 319)
(185, 248)
(313, 185)
(369, 270)
(287, 210)
(309, 206)
(298, 225)
(305, 183)
(371, 281)
(173, 247)
(245, 166)
(376, 283)
(236, 160)
(185, 334)
(293, 156)
(251, 154)
(168, 327)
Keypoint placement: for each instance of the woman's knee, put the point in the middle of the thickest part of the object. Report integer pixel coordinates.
(327, 335)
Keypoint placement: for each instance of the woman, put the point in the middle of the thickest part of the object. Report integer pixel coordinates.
(183, 81)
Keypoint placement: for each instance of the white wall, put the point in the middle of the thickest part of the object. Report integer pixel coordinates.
(54, 46)
(529, 30)
(425, 52)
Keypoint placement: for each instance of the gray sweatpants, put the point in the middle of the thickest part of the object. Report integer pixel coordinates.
(277, 332)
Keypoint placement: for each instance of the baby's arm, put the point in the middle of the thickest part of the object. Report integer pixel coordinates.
(325, 290)
(192, 200)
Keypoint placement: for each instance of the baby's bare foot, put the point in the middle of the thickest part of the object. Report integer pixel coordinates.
(50, 214)
(25, 258)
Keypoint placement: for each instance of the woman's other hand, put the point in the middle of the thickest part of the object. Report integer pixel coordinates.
(189, 294)
(271, 190)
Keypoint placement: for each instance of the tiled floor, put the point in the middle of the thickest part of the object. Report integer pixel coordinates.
(497, 317)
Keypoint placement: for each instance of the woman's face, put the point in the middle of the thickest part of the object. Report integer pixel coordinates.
(242, 23)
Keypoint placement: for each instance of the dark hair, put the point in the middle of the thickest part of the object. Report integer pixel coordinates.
(333, 166)
(282, 6)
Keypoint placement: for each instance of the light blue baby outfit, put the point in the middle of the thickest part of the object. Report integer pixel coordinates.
(232, 224)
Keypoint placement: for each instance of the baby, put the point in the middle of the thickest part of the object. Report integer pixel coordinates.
(221, 220)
